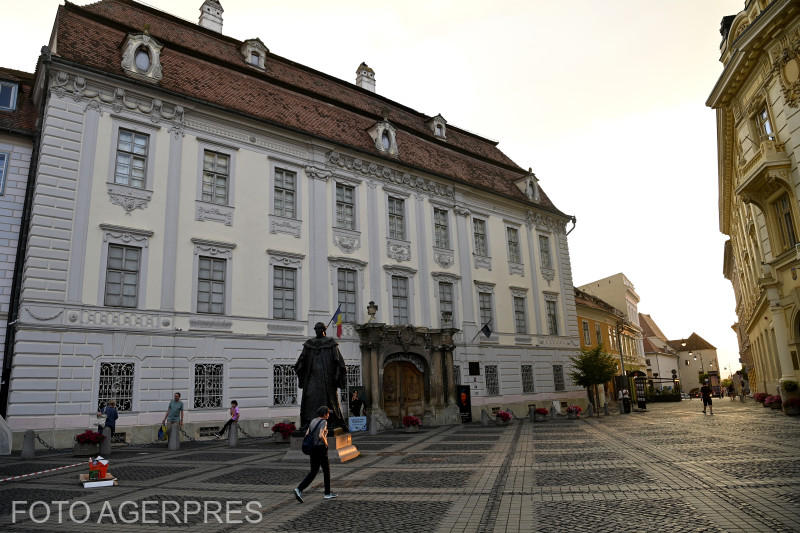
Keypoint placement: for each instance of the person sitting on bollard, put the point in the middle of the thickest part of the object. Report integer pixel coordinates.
(111, 414)
(234, 418)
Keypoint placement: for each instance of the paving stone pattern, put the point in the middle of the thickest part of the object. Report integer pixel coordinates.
(670, 469)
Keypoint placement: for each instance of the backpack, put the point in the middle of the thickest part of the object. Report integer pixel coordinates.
(308, 440)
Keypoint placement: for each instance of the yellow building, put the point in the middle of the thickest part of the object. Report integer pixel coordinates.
(757, 99)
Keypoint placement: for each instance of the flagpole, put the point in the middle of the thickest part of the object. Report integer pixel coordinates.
(480, 330)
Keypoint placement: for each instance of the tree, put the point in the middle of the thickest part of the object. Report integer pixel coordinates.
(592, 368)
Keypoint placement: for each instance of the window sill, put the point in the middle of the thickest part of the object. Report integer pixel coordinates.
(214, 212)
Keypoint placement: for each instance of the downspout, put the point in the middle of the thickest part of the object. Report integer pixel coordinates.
(22, 242)
(574, 223)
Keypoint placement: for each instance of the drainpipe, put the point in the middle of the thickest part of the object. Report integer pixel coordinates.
(574, 223)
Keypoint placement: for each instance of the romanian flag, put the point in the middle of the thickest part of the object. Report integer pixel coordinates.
(337, 318)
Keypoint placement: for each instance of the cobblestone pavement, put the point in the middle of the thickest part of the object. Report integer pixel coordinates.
(670, 469)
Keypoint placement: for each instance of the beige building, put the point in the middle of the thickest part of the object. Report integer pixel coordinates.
(757, 99)
(696, 356)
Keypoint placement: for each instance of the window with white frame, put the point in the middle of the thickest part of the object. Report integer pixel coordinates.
(345, 206)
(353, 380)
(131, 165)
(346, 285)
(216, 175)
(285, 202)
(485, 307)
(116, 383)
(764, 125)
(284, 292)
(544, 251)
(558, 377)
(612, 338)
(552, 316)
(527, 378)
(4, 157)
(512, 234)
(441, 231)
(122, 276)
(598, 334)
(457, 374)
(446, 303)
(400, 299)
(397, 218)
(587, 338)
(492, 382)
(8, 95)
(211, 285)
(207, 385)
(479, 236)
(284, 384)
(520, 318)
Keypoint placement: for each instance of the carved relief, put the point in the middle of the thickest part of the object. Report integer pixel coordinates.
(346, 262)
(289, 226)
(516, 269)
(210, 323)
(347, 241)
(141, 57)
(213, 248)
(122, 319)
(398, 250)
(288, 259)
(126, 235)
(482, 261)
(548, 273)
(218, 213)
(443, 258)
(129, 198)
(390, 175)
(787, 67)
(318, 173)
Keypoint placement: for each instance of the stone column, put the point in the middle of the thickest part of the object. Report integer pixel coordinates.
(437, 393)
(451, 386)
(374, 377)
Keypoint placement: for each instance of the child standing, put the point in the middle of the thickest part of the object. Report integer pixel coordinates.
(234, 418)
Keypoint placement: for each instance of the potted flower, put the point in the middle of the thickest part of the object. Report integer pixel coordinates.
(792, 406)
(760, 397)
(773, 402)
(574, 411)
(87, 443)
(411, 423)
(503, 418)
(285, 429)
(540, 414)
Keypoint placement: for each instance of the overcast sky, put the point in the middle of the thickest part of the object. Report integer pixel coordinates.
(604, 99)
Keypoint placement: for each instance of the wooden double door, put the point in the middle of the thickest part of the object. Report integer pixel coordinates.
(403, 391)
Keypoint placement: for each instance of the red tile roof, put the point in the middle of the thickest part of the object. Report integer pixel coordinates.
(22, 119)
(208, 66)
(694, 342)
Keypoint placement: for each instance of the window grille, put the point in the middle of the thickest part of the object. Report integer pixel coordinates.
(492, 384)
(441, 231)
(122, 276)
(283, 292)
(513, 245)
(353, 380)
(346, 288)
(116, 383)
(207, 385)
(215, 177)
(211, 285)
(284, 382)
(527, 378)
(400, 299)
(345, 206)
(397, 219)
(131, 165)
(479, 233)
(558, 377)
(285, 193)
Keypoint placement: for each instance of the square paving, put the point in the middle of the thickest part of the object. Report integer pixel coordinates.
(669, 469)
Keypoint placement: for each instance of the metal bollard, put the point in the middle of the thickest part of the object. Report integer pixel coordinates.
(233, 434)
(532, 414)
(174, 436)
(105, 445)
(373, 425)
(28, 445)
(484, 417)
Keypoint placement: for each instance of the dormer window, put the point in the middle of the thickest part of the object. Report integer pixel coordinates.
(438, 125)
(8, 95)
(386, 141)
(439, 130)
(142, 59)
(254, 53)
(384, 136)
(255, 59)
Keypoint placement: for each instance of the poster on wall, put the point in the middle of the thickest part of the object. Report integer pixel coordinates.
(357, 402)
(464, 401)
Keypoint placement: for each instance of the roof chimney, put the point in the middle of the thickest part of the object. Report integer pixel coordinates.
(211, 15)
(365, 77)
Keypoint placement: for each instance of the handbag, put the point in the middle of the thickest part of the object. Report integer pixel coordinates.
(308, 440)
(162, 432)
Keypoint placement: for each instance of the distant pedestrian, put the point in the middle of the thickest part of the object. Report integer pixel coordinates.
(111, 414)
(705, 392)
(234, 418)
(731, 392)
(174, 411)
(318, 427)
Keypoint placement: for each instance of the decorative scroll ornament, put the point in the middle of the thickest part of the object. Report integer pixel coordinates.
(128, 198)
(787, 67)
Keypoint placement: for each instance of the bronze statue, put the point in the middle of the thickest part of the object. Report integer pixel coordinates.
(321, 370)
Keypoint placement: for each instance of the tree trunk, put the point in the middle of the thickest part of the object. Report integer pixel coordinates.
(596, 400)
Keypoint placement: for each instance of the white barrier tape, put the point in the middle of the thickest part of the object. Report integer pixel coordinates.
(41, 472)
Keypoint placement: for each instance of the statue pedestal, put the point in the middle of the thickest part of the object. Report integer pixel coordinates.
(340, 448)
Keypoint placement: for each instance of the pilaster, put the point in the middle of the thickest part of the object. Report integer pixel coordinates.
(171, 219)
(318, 228)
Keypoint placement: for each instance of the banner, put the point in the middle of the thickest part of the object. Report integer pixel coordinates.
(464, 400)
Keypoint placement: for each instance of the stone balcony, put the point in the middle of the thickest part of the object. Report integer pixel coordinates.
(761, 176)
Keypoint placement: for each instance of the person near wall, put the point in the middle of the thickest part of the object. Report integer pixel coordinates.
(234, 418)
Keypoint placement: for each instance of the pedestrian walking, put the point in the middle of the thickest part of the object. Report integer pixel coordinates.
(111, 414)
(731, 392)
(318, 427)
(705, 392)
(234, 418)
(174, 411)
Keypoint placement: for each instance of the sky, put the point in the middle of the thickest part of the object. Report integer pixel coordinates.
(604, 99)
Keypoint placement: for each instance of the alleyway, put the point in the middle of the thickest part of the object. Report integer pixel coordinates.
(671, 469)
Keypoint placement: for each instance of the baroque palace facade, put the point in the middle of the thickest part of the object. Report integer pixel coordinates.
(201, 203)
(756, 100)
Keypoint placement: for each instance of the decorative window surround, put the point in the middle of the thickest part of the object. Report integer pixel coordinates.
(551, 298)
(402, 271)
(438, 126)
(481, 249)
(487, 287)
(515, 266)
(384, 135)
(113, 234)
(287, 260)
(207, 210)
(545, 257)
(334, 264)
(125, 196)
(281, 224)
(346, 240)
(254, 46)
(443, 257)
(215, 212)
(133, 45)
(455, 280)
(215, 249)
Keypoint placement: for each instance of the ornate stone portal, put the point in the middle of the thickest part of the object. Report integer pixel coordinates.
(408, 370)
